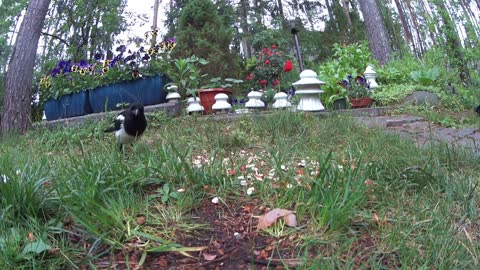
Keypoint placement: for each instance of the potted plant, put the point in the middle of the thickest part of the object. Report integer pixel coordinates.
(338, 101)
(216, 86)
(129, 76)
(358, 91)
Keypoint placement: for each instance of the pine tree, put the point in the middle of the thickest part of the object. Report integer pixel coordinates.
(204, 33)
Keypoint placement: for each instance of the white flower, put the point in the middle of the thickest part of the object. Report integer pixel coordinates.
(250, 190)
(289, 186)
(215, 200)
(181, 190)
(243, 182)
(18, 172)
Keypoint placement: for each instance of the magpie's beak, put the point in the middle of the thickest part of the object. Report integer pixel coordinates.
(135, 112)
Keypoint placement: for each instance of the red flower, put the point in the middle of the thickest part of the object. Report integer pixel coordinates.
(263, 82)
(288, 66)
(267, 62)
(275, 82)
(250, 77)
(277, 53)
(274, 46)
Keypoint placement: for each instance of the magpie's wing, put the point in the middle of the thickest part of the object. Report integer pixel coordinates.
(118, 121)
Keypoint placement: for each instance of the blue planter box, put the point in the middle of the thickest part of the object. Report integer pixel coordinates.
(70, 105)
(147, 91)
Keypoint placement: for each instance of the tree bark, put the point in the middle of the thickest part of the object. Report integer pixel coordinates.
(453, 43)
(18, 87)
(376, 31)
(346, 11)
(155, 21)
(405, 26)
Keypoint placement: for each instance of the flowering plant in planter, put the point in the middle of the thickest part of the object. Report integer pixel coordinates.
(68, 76)
(270, 65)
(358, 91)
(356, 87)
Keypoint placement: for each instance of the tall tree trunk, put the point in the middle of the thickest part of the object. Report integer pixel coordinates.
(155, 21)
(415, 25)
(346, 10)
(18, 86)
(280, 10)
(429, 18)
(244, 7)
(453, 43)
(471, 26)
(376, 31)
(405, 26)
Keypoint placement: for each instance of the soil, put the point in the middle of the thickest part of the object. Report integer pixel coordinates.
(231, 241)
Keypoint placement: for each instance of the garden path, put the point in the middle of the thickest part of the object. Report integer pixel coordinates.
(423, 132)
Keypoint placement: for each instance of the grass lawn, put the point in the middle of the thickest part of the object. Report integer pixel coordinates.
(189, 196)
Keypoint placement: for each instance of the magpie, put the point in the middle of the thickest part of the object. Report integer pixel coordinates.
(129, 125)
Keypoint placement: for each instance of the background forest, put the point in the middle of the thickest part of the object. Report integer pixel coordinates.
(436, 40)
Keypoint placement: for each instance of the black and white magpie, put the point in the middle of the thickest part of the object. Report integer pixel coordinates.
(129, 125)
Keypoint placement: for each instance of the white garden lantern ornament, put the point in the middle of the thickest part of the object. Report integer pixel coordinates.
(254, 100)
(194, 105)
(370, 76)
(281, 101)
(308, 88)
(173, 96)
(221, 103)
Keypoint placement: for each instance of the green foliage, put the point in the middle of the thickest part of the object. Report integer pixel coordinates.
(398, 71)
(107, 203)
(225, 83)
(204, 33)
(426, 77)
(186, 74)
(23, 191)
(346, 60)
(392, 94)
(87, 27)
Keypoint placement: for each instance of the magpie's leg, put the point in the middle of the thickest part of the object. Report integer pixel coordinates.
(121, 147)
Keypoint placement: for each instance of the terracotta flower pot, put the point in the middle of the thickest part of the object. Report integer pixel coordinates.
(363, 102)
(207, 97)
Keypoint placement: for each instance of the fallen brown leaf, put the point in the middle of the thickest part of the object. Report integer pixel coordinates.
(209, 257)
(376, 219)
(141, 220)
(271, 217)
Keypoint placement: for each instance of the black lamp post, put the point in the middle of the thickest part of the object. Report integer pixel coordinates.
(294, 29)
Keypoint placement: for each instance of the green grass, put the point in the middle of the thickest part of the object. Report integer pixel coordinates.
(79, 200)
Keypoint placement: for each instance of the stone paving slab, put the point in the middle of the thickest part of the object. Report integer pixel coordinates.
(423, 133)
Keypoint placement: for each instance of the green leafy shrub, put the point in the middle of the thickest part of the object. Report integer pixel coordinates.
(346, 60)
(395, 93)
(397, 71)
(426, 77)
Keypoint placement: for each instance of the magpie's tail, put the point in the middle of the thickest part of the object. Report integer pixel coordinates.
(110, 129)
